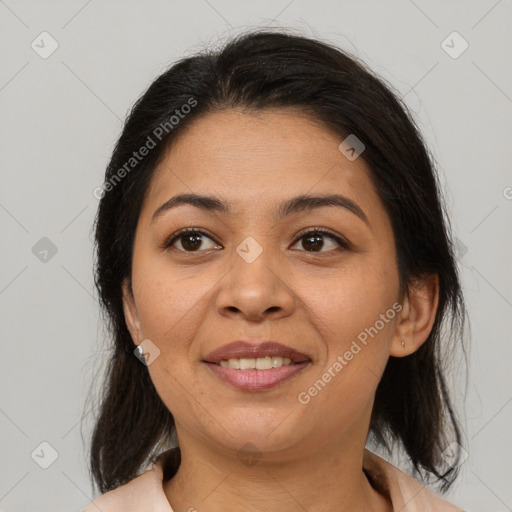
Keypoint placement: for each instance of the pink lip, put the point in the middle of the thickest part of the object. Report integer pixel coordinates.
(242, 349)
(256, 380)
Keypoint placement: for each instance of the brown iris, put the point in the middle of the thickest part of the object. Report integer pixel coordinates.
(314, 241)
(191, 241)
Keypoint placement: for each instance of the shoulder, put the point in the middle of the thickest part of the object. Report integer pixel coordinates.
(144, 492)
(405, 492)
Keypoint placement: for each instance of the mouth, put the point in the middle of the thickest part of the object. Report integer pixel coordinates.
(256, 367)
(256, 363)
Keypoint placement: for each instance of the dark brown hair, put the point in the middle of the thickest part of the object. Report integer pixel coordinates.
(267, 69)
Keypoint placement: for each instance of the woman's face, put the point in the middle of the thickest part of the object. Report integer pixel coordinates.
(254, 276)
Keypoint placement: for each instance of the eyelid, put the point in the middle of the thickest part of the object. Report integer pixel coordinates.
(166, 244)
(342, 241)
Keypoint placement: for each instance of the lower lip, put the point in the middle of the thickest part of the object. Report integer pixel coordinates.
(256, 380)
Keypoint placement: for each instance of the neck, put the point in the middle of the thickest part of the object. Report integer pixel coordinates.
(329, 477)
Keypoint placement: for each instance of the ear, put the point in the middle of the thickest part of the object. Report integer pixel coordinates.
(416, 317)
(131, 314)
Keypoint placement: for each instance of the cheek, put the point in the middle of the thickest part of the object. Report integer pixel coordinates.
(171, 311)
(355, 317)
(353, 300)
(357, 328)
(168, 305)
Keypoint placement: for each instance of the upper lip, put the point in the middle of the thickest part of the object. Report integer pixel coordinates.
(246, 350)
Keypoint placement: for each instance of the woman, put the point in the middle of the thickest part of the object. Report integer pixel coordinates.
(276, 266)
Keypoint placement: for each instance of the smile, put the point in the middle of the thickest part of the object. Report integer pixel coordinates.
(248, 378)
(258, 363)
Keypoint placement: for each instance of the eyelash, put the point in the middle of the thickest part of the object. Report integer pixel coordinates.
(344, 244)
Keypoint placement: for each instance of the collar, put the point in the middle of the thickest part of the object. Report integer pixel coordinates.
(146, 492)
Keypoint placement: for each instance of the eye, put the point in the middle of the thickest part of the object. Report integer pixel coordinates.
(312, 241)
(190, 240)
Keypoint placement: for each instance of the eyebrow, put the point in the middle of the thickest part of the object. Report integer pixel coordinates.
(295, 205)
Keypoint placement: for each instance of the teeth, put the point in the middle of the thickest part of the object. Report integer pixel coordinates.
(259, 363)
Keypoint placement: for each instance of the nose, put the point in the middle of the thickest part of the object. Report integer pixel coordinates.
(255, 290)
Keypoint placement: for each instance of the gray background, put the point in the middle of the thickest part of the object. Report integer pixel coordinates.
(61, 116)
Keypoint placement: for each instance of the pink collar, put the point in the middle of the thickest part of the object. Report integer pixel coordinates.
(145, 492)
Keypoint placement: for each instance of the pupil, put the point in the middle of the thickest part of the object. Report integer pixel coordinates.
(196, 241)
(316, 241)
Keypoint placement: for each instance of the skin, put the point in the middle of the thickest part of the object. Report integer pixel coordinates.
(189, 303)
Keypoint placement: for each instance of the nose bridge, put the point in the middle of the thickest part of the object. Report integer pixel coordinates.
(254, 285)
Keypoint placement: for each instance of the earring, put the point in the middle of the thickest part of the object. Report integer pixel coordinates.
(403, 343)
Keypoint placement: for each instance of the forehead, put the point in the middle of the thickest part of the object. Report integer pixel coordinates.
(255, 158)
